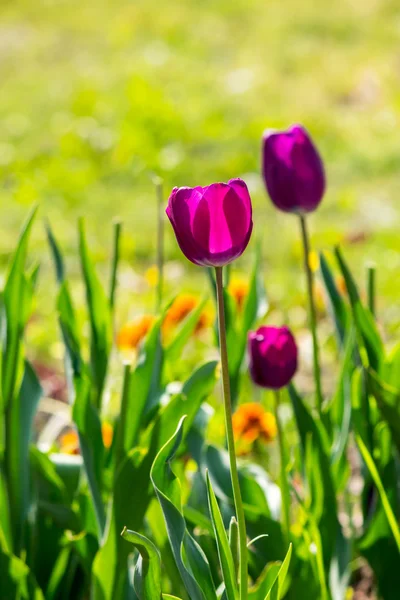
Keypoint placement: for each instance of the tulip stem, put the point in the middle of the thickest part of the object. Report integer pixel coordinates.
(230, 437)
(312, 311)
(283, 460)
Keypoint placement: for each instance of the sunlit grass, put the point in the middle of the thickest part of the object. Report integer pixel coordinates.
(97, 96)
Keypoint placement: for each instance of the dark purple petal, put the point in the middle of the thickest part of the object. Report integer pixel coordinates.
(293, 170)
(273, 356)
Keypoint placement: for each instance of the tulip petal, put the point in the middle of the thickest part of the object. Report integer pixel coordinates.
(212, 225)
(293, 170)
(273, 356)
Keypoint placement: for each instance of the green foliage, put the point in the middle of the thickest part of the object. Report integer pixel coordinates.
(166, 475)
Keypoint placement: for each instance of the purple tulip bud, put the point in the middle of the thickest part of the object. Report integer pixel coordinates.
(273, 356)
(293, 170)
(212, 224)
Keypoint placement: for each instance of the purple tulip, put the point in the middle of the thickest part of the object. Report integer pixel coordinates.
(273, 356)
(212, 224)
(293, 170)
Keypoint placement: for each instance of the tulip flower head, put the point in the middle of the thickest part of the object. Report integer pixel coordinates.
(293, 170)
(273, 356)
(212, 224)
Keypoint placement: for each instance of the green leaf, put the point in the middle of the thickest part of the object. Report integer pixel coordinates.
(88, 424)
(17, 581)
(70, 333)
(265, 581)
(256, 302)
(363, 319)
(194, 392)
(234, 544)
(224, 551)
(56, 253)
(145, 380)
(337, 305)
(382, 493)
(56, 580)
(114, 262)
(190, 559)
(388, 400)
(339, 412)
(100, 317)
(255, 307)
(16, 301)
(147, 576)
(275, 593)
(5, 519)
(315, 450)
(177, 344)
(20, 418)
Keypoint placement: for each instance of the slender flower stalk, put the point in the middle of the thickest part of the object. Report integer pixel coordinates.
(283, 463)
(371, 272)
(311, 310)
(243, 574)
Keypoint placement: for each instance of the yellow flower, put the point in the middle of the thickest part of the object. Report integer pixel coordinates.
(251, 421)
(131, 334)
(238, 289)
(313, 261)
(151, 276)
(69, 442)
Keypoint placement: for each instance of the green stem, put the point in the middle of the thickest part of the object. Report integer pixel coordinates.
(114, 262)
(371, 271)
(160, 244)
(283, 462)
(312, 312)
(230, 438)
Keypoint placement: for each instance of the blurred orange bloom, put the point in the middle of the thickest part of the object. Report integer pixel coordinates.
(69, 442)
(181, 307)
(251, 421)
(204, 321)
(131, 334)
(179, 310)
(238, 289)
(107, 433)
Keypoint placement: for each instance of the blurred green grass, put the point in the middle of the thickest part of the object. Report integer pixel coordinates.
(97, 96)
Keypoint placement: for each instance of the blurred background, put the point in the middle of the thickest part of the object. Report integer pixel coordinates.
(97, 96)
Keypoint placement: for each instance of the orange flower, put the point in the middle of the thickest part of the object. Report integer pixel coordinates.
(238, 289)
(204, 321)
(341, 284)
(181, 307)
(131, 334)
(179, 310)
(69, 442)
(107, 433)
(251, 421)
